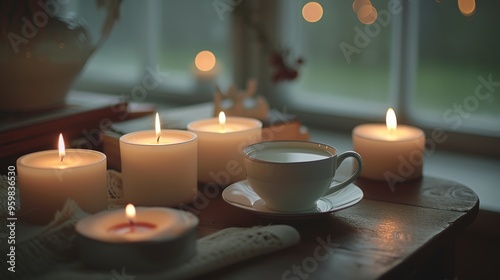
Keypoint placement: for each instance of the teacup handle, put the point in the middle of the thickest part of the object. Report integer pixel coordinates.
(340, 159)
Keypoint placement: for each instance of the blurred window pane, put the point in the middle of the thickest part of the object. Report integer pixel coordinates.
(457, 79)
(347, 66)
(189, 27)
(159, 34)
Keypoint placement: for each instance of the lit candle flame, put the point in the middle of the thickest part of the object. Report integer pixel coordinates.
(157, 128)
(130, 212)
(62, 150)
(222, 120)
(391, 121)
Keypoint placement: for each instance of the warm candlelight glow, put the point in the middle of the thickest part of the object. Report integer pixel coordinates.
(62, 150)
(391, 153)
(467, 7)
(205, 61)
(222, 120)
(157, 128)
(221, 146)
(312, 12)
(130, 212)
(390, 120)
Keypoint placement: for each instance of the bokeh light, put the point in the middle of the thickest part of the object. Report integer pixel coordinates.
(360, 3)
(467, 7)
(312, 11)
(205, 61)
(367, 14)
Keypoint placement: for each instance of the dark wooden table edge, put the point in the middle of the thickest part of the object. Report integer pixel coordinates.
(426, 252)
(405, 267)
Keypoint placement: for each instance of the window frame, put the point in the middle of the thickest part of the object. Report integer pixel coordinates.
(405, 37)
(251, 61)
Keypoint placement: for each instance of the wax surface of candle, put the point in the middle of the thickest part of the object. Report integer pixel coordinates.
(151, 139)
(226, 128)
(232, 124)
(51, 159)
(381, 133)
(132, 228)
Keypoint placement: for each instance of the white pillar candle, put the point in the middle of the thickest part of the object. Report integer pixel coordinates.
(159, 171)
(46, 181)
(220, 147)
(390, 152)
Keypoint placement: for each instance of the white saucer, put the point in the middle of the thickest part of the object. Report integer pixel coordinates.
(241, 195)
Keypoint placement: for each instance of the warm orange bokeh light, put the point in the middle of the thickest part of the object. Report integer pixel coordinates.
(360, 3)
(367, 14)
(205, 61)
(312, 12)
(467, 7)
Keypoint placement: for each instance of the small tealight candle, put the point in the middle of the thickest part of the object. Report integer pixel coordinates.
(48, 178)
(159, 167)
(132, 226)
(220, 144)
(137, 238)
(391, 152)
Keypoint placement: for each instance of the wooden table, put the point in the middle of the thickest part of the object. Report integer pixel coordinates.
(407, 232)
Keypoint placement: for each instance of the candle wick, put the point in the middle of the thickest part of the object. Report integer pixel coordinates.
(132, 225)
(62, 158)
(158, 139)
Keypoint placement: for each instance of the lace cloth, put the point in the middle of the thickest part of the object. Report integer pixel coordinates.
(48, 252)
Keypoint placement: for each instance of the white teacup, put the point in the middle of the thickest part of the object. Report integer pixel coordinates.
(290, 176)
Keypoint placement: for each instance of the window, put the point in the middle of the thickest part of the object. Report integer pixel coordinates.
(118, 63)
(349, 67)
(424, 58)
(163, 36)
(456, 75)
(187, 28)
